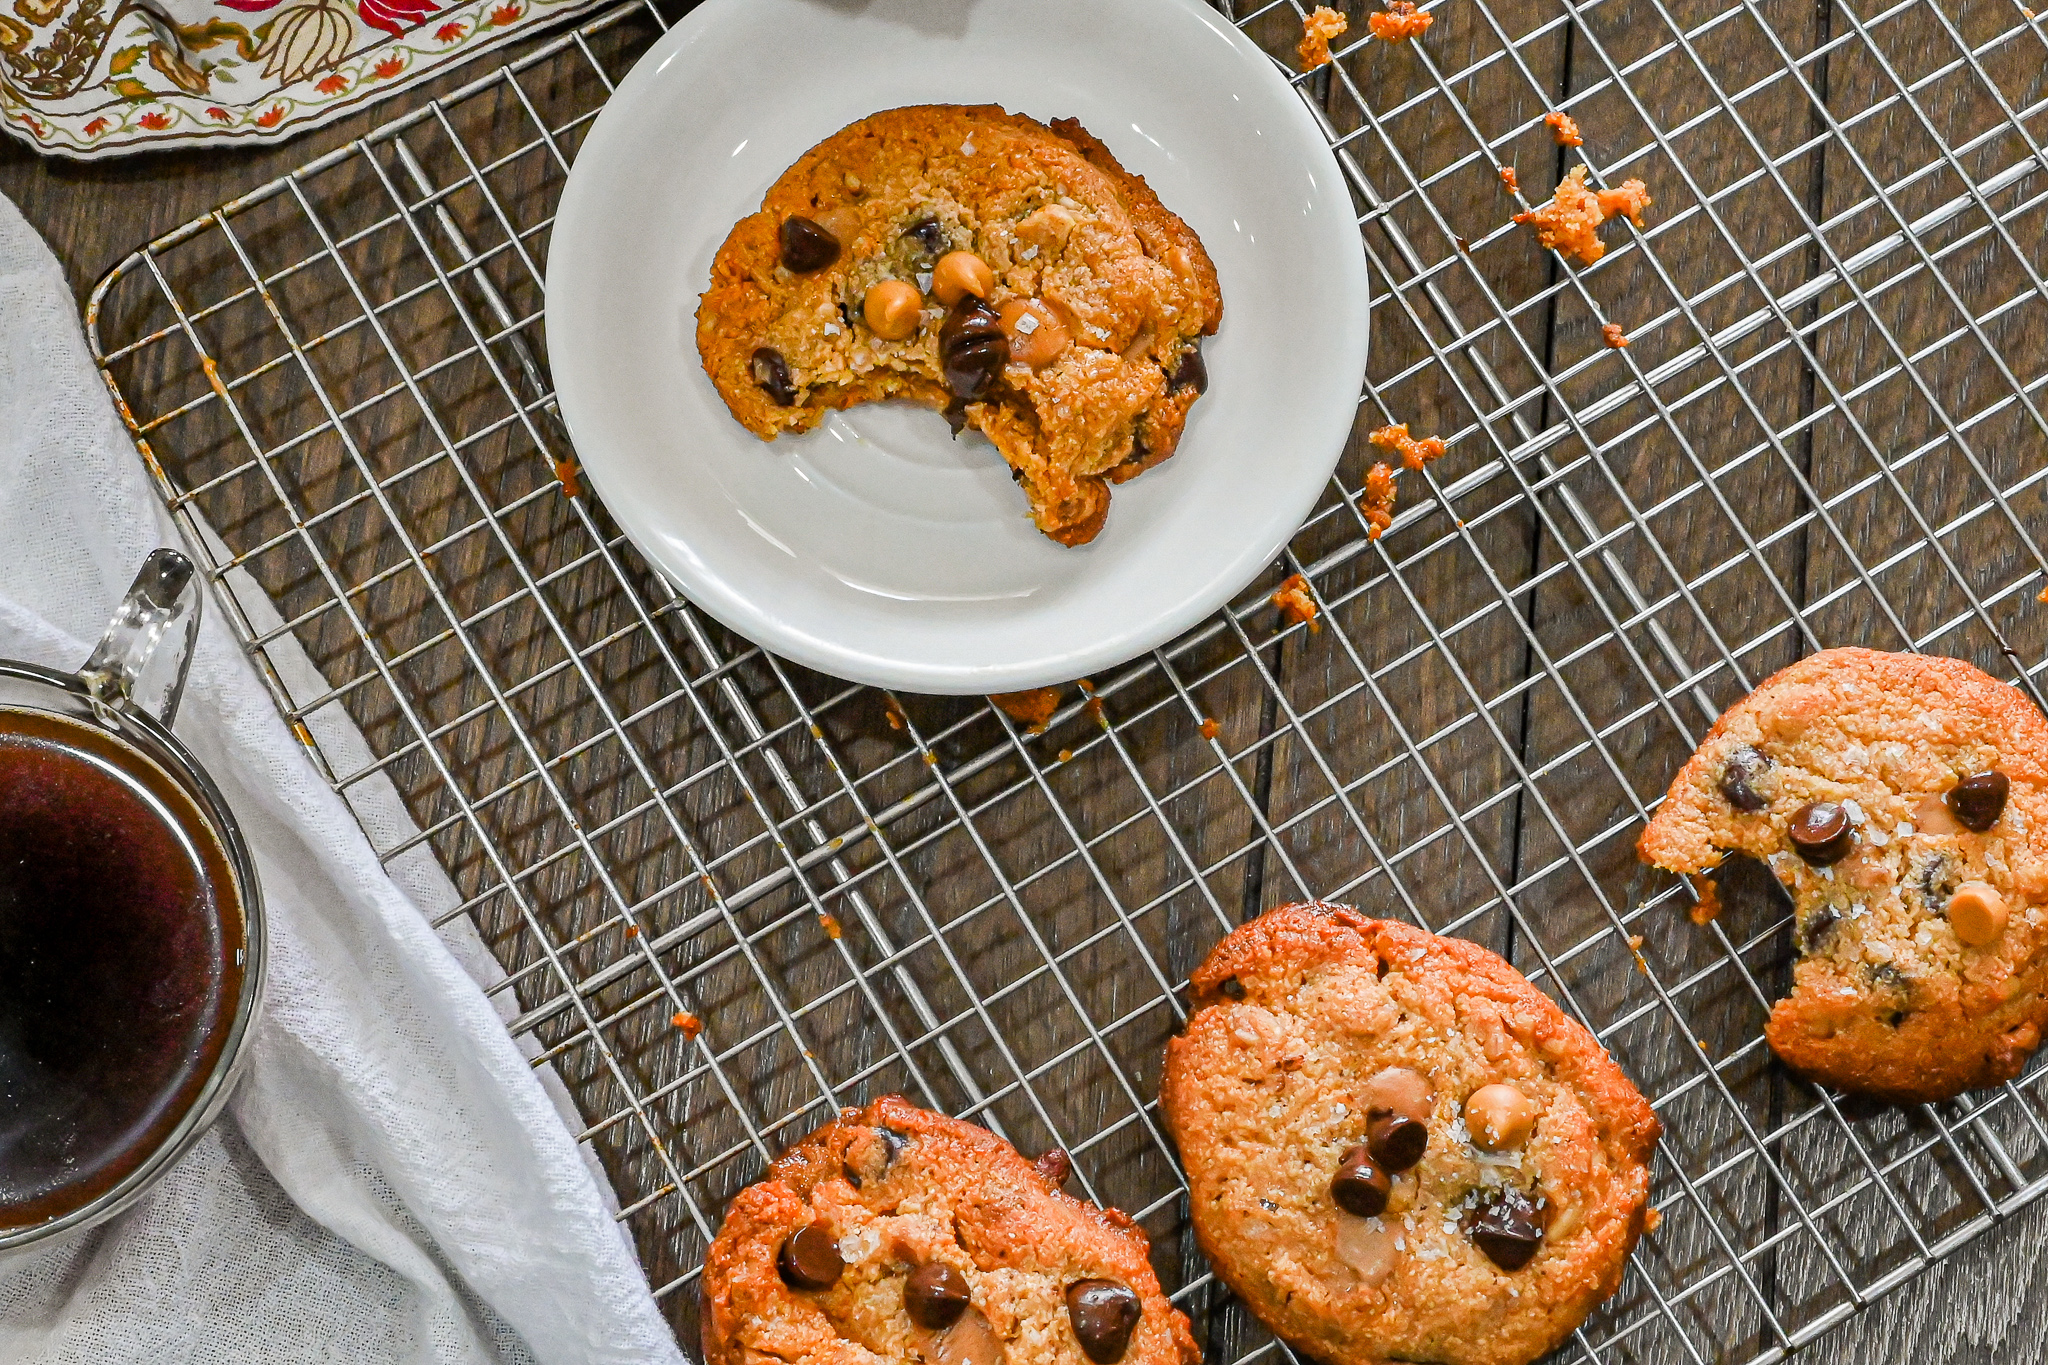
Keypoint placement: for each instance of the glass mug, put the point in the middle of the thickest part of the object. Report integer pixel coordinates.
(131, 925)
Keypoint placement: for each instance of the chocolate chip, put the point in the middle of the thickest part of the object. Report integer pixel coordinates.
(1507, 1228)
(929, 236)
(807, 246)
(972, 348)
(1821, 833)
(1396, 1141)
(771, 372)
(1817, 927)
(1360, 1187)
(1747, 887)
(1104, 1314)
(1232, 987)
(935, 1296)
(1191, 370)
(1054, 1166)
(956, 418)
(1978, 800)
(1739, 775)
(809, 1258)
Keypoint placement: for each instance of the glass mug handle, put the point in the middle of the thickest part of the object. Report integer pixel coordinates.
(142, 659)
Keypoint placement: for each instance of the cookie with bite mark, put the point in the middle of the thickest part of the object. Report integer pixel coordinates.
(1399, 1149)
(1896, 806)
(1007, 273)
(897, 1234)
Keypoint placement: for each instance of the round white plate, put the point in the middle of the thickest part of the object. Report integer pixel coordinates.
(877, 548)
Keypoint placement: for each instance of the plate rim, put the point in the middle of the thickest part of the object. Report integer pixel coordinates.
(750, 620)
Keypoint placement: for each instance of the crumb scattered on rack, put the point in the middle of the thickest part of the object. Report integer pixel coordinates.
(632, 931)
(1564, 128)
(565, 473)
(1651, 1219)
(1400, 22)
(1032, 708)
(1414, 453)
(1507, 177)
(1377, 503)
(1066, 755)
(1708, 907)
(1210, 729)
(1297, 606)
(1611, 333)
(1317, 29)
(1570, 221)
(830, 924)
(1635, 947)
(689, 1023)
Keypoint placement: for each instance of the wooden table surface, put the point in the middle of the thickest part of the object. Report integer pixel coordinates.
(1987, 1304)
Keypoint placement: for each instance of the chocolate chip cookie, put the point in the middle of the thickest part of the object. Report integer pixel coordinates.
(1896, 805)
(1399, 1149)
(896, 1234)
(1009, 274)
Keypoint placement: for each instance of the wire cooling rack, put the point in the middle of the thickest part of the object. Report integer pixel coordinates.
(731, 894)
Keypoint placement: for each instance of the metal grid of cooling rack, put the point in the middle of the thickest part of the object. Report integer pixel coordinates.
(730, 894)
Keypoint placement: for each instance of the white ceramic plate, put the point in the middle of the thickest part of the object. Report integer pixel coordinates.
(877, 548)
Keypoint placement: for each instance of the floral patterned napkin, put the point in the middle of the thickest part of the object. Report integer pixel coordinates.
(87, 78)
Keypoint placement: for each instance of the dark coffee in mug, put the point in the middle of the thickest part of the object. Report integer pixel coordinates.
(122, 952)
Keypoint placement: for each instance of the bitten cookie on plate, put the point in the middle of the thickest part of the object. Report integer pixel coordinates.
(897, 1234)
(1897, 806)
(1007, 273)
(1399, 1149)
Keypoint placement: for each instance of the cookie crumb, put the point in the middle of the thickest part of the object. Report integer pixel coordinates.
(1564, 128)
(1377, 502)
(1570, 221)
(1066, 755)
(1635, 947)
(1297, 606)
(1093, 708)
(1210, 729)
(689, 1023)
(1317, 29)
(830, 924)
(1414, 453)
(893, 713)
(565, 474)
(1032, 708)
(1507, 177)
(1611, 333)
(1401, 22)
(1652, 1219)
(632, 931)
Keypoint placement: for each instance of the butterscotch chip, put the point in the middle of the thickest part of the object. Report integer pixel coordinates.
(978, 209)
(1524, 1240)
(1908, 986)
(942, 1244)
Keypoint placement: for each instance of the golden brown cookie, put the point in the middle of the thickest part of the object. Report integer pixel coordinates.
(1901, 802)
(1010, 274)
(897, 1234)
(1399, 1149)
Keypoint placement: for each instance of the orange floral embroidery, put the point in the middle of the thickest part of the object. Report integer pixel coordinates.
(96, 127)
(218, 114)
(332, 85)
(155, 120)
(505, 14)
(270, 117)
(448, 33)
(388, 68)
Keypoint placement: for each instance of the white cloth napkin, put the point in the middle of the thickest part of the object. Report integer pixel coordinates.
(391, 1182)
